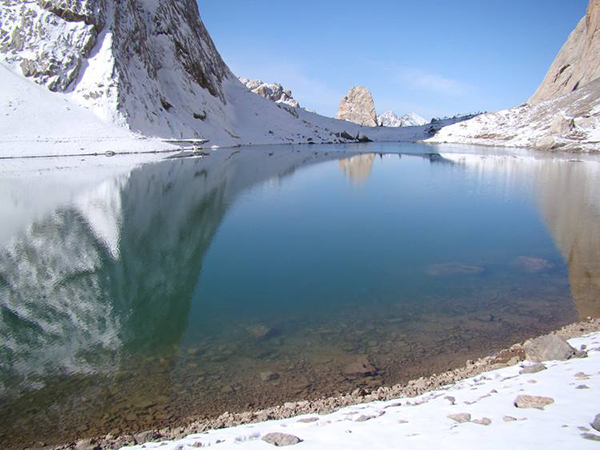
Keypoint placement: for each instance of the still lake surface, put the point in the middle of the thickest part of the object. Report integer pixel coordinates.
(194, 286)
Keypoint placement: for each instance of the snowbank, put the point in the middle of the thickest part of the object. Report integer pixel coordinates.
(38, 122)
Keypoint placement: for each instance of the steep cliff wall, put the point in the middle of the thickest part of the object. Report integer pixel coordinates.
(578, 62)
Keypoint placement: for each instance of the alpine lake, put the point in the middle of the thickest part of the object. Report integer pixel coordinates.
(141, 298)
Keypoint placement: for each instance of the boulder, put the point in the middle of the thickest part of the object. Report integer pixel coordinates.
(532, 401)
(548, 348)
(281, 439)
(596, 423)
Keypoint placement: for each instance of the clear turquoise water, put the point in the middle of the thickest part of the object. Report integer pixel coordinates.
(163, 293)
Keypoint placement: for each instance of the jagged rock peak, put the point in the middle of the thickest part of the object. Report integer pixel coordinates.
(358, 107)
(578, 62)
(391, 119)
(271, 91)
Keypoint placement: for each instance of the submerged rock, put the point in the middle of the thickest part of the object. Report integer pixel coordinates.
(260, 331)
(269, 376)
(532, 264)
(446, 269)
(548, 348)
(361, 367)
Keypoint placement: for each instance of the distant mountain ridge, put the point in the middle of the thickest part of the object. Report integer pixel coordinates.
(391, 119)
(271, 91)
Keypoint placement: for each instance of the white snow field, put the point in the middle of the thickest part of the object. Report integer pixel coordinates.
(422, 423)
(35, 121)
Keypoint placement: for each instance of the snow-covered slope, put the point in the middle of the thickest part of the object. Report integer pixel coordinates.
(570, 122)
(145, 66)
(36, 121)
(391, 119)
(564, 113)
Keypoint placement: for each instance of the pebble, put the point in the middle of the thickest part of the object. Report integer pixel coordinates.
(485, 421)
(535, 368)
(308, 420)
(596, 423)
(591, 437)
(460, 417)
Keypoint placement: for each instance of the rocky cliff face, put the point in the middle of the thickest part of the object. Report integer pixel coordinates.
(564, 113)
(578, 62)
(271, 91)
(358, 107)
(130, 60)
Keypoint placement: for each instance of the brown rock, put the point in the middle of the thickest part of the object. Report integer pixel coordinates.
(281, 439)
(358, 107)
(548, 348)
(485, 421)
(460, 417)
(578, 62)
(535, 368)
(532, 401)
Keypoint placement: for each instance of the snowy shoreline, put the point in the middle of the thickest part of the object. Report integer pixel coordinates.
(485, 389)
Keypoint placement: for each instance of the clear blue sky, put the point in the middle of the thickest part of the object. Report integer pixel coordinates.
(436, 57)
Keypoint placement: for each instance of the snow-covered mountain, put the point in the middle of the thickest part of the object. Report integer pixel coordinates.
(564, 113)
(139, 72)
(570, 123)
(391, 119)
(271, 91)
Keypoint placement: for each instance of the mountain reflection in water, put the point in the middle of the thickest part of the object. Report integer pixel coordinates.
(107, 288)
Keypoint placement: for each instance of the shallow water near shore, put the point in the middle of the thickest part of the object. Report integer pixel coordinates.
(251, 277)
